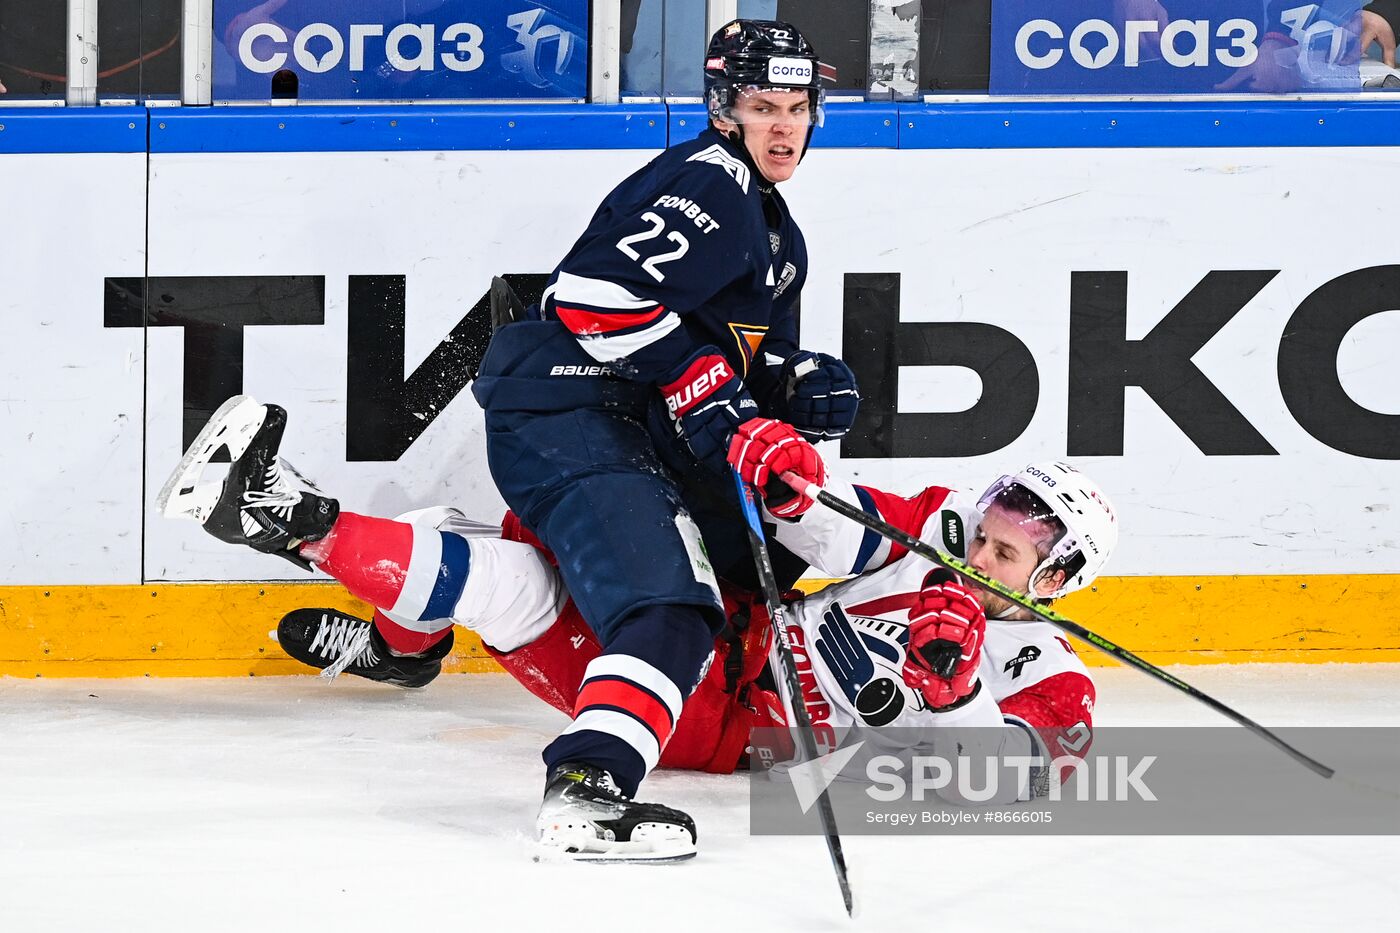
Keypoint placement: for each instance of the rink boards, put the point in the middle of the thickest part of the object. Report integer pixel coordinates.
(1207, 329)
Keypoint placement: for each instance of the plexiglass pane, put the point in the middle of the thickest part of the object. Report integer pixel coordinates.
(139, 48)
(663, 48)
(955, 42)
(32, 50)
(838, 29)
(642, 47)
(138, 53)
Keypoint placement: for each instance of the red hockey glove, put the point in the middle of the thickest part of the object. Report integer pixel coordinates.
(708, 401)
(763, 450)
(946, 628)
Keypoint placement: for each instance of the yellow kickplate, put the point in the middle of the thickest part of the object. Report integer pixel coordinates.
(224, 629)
(169, 630)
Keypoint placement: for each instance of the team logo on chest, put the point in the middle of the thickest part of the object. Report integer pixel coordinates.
(775, 241)
(747, 337)
(864, 656)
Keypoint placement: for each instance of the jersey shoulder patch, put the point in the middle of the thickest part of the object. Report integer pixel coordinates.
(716, 155)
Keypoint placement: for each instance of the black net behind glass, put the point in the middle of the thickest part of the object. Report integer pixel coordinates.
(32, 49)
(955, 46)
(140, 48)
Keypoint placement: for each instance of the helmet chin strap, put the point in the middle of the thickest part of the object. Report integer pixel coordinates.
(1012, 609)
(736, 136)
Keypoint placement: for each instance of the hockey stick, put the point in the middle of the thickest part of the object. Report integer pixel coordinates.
(777, 615)
(924, 550)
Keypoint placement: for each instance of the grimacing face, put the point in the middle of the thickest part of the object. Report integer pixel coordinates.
(1004, 550)
(775, 129)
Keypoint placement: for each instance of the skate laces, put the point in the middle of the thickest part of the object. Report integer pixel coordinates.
(599, 779)
(605, 781)
(344, 641)
(277, 491)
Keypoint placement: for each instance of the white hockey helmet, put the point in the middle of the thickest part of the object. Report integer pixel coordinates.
(1091, 528)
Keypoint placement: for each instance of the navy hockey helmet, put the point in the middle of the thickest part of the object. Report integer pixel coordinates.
(754, 53)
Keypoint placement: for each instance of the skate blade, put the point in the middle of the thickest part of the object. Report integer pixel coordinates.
(630, 860)
(232, 426)
(619, 856)
(571, 847)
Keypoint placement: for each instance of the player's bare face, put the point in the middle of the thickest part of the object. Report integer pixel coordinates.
(775, 129)
(1004, 551)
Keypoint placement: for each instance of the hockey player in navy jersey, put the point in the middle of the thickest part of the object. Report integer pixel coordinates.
(670, 323)
(609, 412)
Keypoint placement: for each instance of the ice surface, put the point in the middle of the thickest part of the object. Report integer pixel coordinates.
(290, 804)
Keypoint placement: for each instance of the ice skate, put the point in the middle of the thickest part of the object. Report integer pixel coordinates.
(322, 637)
(256, 504)
(585, 817)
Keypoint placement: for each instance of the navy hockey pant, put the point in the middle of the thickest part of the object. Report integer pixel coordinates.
(588, 482)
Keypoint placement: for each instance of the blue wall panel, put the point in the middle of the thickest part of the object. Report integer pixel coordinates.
(379, 129)
(1148, 124)
(981, 125)
(64, 129)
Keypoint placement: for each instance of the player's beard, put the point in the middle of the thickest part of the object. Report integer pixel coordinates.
(994, 605)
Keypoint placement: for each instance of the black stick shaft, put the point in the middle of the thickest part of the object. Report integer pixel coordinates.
(926, 551)
(777, 615)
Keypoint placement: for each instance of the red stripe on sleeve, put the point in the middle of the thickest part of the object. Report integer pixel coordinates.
(1059, 707)
(588, 323)
(908, 515)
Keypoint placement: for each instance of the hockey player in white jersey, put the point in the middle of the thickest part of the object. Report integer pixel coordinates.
(1046, 529)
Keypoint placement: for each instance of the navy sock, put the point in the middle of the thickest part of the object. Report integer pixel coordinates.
(632, 693)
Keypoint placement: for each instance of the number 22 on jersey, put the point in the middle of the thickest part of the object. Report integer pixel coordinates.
(657, 226)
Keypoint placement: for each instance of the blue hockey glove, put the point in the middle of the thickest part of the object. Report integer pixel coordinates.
(817, 395)
(708, 402)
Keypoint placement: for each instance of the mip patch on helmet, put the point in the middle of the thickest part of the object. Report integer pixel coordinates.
(953, 538)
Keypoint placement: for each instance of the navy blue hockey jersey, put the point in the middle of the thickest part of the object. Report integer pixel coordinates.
(686, 252)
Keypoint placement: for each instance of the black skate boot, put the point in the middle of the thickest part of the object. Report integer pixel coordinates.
(320, 638)
(586, 818)
(257, 504)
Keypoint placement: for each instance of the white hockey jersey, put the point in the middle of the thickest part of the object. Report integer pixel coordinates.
(849, 639)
